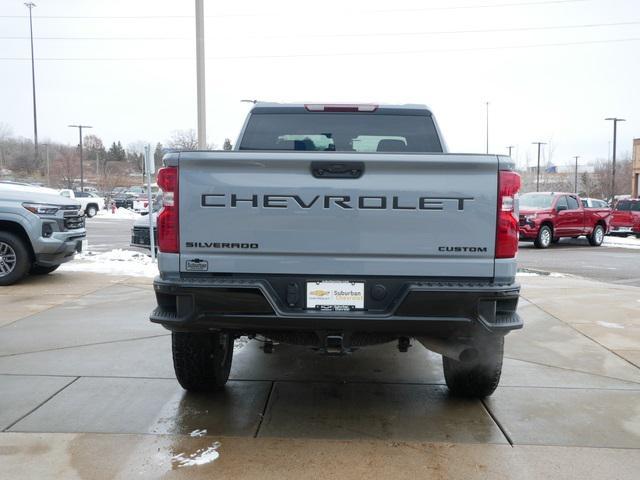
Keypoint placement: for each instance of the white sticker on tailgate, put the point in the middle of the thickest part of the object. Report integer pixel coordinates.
(335, 296)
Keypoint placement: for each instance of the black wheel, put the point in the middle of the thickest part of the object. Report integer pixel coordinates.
(544, 238)
(40, 270)
(202, 361)
(597, 236)
(15, 261)
(478, 378)
(91, 211)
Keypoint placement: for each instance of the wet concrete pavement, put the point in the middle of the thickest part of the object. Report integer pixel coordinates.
(88, 392)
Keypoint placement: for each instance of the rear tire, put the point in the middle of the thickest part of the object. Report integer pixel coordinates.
(597, 236)
(15, 260)
(479, 378)
(40, 270)
(202, 360)
(544, 238)
(91, 211)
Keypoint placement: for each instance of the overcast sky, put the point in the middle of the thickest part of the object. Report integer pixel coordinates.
(551, 70)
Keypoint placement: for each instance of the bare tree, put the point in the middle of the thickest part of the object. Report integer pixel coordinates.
(115, 175)
(184, 140)
(65, 168)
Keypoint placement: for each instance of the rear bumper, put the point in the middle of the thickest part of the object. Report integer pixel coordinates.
(260, 305)
(623, 229)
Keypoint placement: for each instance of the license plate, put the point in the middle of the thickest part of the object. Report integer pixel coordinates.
(335, 296)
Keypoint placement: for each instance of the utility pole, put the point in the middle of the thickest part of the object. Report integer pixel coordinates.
(80, 127)
(510, 147)
(613, 155)
(538, 169)
(48, 169)
(30, 6)
(487, 105)
(576, 158)
(202, 114)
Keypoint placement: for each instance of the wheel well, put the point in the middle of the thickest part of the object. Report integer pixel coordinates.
(548, 224)
(16, 229)
(92, 205)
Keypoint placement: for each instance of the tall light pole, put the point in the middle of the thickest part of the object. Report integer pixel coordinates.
(202, 114)
(613, 155)
(510, 147)
(30, 5)
(80, 127)
(538, 170)
(576, 158)
(487, 105)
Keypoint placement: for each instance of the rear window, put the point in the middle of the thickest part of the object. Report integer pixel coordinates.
(341, 132)
(626, 205)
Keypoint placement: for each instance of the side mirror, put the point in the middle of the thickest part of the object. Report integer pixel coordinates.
(560, 208)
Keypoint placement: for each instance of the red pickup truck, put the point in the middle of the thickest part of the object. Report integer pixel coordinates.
(625, 219)
(547, 217)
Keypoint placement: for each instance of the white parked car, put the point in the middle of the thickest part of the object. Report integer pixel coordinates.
(594, 203)
(91, 202)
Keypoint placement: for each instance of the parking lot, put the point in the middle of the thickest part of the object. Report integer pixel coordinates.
(89, 390)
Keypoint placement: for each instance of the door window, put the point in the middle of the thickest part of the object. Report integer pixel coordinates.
(562, 202)
(573, 203)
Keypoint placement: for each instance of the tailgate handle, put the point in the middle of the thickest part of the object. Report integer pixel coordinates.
(337, 169)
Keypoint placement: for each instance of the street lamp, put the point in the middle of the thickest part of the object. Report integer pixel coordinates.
(30, 6)
(613, 157)
(80, 127)
(538, 170)
(576, 158)
(487, 104)
(200, 85)
(510, 147)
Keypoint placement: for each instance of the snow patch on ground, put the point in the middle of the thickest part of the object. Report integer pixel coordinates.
(609, 324)
(201, 456)
(114, 262)
(120, 214)
(622, 242)
(535, 273)
(240, 343)
(198, 433)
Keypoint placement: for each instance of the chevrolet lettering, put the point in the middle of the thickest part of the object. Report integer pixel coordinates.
(346, 202)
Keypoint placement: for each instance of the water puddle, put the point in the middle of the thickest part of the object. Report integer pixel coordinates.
(202, 456)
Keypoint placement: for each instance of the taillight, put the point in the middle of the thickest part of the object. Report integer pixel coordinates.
(507, 225)
(168, 225)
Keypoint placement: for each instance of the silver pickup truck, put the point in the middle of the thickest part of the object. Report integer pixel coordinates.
(338, 227)
(39, 230)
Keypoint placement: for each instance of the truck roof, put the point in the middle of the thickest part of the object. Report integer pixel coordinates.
(378, 108)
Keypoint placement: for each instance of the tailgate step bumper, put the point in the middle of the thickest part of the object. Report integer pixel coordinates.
(260, 304)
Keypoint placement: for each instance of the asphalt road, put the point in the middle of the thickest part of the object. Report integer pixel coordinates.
(575, 257)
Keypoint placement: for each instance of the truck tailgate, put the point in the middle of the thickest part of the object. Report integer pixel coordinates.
(426, 215)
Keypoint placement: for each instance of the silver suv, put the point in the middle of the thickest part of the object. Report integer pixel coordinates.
(39, 230)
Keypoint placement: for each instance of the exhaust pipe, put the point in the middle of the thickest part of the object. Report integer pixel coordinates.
(450, 349)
